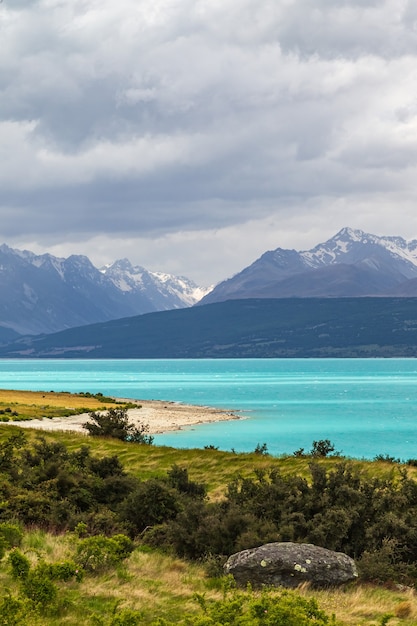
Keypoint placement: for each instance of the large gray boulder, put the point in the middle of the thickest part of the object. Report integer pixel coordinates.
(291, 564)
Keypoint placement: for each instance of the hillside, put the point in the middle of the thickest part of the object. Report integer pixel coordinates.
(85, 572)
(261, 328)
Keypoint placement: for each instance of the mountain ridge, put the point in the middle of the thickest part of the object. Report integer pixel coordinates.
(44, 293)
(380, 266)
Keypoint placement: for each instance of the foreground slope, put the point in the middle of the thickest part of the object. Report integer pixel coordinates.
(315, 327)
(74, 575)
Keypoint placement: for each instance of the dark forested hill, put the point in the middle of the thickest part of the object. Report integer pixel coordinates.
(307, 327)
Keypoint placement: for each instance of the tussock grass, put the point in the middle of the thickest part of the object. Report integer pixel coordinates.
(363, 605)
(50, 547)
(160, 585)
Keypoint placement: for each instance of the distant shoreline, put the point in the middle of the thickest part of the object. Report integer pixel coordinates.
(161, 417)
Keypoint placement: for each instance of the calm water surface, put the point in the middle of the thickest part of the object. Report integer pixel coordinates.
(365, 406)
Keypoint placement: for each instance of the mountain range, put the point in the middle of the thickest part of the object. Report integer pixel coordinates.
(45, 294)
(350, 264)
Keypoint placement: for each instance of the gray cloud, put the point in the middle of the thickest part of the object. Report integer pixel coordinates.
(168, 126)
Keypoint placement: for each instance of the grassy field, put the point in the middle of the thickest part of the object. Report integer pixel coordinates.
(160, 585)
(24, 405)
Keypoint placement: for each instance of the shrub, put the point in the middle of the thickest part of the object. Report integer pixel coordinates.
(178, 478)
(261, 449)
(127, 617)
(20, 564)
(11, 534)
(152, 502)
(115, 423)
(38, 587)
(16, 612)
(65, 571)
(245, 609)
(299, 453)
(99, 553)
(384, 564)
(386, 458)
(123, 617)
(323, 447)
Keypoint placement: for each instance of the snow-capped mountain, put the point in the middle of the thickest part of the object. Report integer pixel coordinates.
(352, 263)
(164, 291)
(44, 294)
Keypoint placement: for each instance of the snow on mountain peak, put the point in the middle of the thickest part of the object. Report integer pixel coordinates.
(352, 234)
(352, 245)
(129, 278)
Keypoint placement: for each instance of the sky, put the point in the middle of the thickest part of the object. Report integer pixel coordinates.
(191, 136)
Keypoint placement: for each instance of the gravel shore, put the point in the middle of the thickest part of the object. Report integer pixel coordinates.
(159, 415)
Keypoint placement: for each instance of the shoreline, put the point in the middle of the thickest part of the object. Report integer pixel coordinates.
(161, 417)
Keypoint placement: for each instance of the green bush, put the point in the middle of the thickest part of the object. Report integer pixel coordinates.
(246, 609)
(16, 612)
(11, 534)
(115, 423)
(65, 571)
(385, 565)
(261, 449)
(99, 553)
(152, 502)
(178, 479)
(123, 617)
(20, 564)
(127, 617)
(38, 587)
(323, 447)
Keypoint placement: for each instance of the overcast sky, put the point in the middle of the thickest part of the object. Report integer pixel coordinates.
(193, 135)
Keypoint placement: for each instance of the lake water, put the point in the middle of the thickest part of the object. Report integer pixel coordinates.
(364, 406)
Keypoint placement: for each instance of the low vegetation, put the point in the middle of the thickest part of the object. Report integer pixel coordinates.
(109, 534)
(86, 539)
(25, 405)
(115, 423)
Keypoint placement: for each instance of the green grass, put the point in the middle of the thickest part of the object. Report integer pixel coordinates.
(215, 468)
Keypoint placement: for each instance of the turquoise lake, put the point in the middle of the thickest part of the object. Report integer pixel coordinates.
(364, 406)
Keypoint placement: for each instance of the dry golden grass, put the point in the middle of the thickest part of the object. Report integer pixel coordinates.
(154, 583)
(38, 404)
(160, 585)
(363, 605)
(52, 398)
(50, 547)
